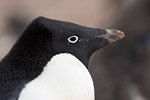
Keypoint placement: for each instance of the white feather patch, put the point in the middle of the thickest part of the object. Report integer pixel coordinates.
(64, 78)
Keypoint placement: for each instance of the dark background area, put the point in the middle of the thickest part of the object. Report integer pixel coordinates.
(121, 71)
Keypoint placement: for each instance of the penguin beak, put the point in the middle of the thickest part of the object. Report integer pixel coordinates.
(101, 39)
(112, 35)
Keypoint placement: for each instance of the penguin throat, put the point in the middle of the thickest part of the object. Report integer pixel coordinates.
(64, 78)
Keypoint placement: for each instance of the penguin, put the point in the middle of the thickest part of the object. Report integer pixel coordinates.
(50, 61)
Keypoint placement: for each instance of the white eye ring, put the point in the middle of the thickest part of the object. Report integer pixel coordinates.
(73, 39)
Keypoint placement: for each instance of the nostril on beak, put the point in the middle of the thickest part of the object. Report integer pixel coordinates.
(114, 31)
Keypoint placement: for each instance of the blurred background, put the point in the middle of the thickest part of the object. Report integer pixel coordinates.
(121, 71)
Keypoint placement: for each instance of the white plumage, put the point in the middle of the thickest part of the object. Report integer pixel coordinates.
(64, 78)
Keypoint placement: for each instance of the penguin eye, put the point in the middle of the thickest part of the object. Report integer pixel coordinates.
(73, 39)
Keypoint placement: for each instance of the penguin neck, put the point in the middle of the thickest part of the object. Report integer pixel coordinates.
(64, 78)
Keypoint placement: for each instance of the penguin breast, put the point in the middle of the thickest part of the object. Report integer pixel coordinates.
(63, 78)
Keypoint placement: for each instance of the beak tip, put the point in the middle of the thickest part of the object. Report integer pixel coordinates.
(113, 35)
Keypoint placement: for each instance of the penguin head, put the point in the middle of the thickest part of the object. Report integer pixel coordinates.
(65, 37)
(78, 40)
(44, 38)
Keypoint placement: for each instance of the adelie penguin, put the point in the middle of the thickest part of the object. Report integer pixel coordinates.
(50, 61)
